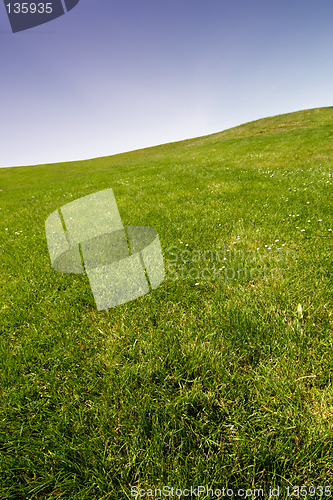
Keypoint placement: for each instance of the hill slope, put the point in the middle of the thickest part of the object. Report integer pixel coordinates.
(222, 375)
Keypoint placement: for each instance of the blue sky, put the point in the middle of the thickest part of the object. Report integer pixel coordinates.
(114, 76)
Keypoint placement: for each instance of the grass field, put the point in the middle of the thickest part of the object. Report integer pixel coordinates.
(220, 377)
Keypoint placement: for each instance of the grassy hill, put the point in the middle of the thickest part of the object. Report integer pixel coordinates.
(222, 376)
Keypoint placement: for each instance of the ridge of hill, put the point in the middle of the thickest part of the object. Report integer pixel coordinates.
(298, 124)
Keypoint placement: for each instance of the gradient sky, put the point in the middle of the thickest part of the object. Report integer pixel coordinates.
(114, 76)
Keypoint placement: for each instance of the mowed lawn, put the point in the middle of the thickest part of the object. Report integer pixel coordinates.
(222, 376)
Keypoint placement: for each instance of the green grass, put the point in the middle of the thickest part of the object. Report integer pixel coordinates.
(221, 381)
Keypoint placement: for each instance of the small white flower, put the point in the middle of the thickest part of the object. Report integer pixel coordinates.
(196, 284)
(302, 229)
(276, 241)
(320, 220)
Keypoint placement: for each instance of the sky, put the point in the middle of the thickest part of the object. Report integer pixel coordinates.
(117, 75)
